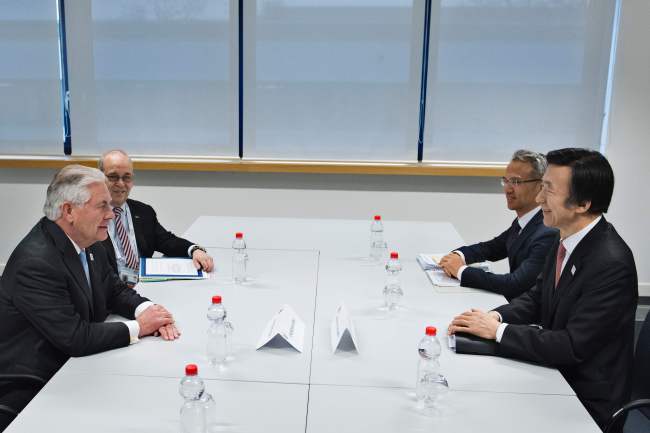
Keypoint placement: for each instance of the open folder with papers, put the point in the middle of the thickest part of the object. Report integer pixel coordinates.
(168, 268)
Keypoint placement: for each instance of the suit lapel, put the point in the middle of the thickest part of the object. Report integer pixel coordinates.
(575, 263)
(137, 228)
(525, 234)
(71, 260)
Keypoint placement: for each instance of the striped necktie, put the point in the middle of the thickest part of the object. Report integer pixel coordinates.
(130, 257)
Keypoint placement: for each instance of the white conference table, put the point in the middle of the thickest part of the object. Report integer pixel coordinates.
(313, 265)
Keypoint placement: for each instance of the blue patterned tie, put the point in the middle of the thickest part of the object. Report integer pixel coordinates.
(84, 263)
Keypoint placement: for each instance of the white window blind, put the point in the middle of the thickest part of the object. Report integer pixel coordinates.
(30, 85)
(513, 74)
(154, 77)
(335, 79)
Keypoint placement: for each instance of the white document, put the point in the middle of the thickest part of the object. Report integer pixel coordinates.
(169, 267)
(439, 278)
(431, 262)
(284, 327)
(342, 333)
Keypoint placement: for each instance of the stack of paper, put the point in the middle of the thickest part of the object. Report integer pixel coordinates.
(168, 268)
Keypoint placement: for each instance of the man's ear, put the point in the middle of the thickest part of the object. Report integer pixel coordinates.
(66, 211)
(583, 208)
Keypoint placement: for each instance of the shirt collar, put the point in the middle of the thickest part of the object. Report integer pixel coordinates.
(74, 244)
(571, 242)
(525, 218)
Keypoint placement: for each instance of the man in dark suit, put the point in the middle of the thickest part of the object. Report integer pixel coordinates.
(136, 232)
(525, 243)
(58, 288)
(584, 300)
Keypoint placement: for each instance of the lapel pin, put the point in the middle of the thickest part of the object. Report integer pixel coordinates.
(92, 258)
(573, 270)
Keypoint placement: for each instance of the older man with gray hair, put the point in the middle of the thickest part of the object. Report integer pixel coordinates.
(58, 288)
(526, 243)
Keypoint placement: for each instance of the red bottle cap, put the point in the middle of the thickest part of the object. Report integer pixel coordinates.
(216, 299)
(239, 235)
(394, 255)
(191, 370)
(377, 217)
(431, 331)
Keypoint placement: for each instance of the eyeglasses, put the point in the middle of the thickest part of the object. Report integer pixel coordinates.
(114, 178)
(515, 181)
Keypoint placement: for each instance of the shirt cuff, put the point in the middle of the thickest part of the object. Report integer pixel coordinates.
(190, 249)
(134, 331)
(460, 253)
(140, 308)
(500, 330)
(459, 274)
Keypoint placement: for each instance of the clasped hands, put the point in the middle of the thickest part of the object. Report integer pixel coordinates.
(156, 320)
(476, 322)
(451, 263)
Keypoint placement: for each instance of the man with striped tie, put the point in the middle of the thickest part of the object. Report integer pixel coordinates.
(135, 232)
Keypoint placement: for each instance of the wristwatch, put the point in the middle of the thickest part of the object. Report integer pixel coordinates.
(196, 247)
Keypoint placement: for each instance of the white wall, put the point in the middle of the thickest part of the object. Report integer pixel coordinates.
(474, 205)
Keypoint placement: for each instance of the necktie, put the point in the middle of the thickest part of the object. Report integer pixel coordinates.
(129, 255)
(561, 253)
(84, 263)
(516, 227)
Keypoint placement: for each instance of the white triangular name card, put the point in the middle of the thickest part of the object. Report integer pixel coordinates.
(285, 327)
(342, 333)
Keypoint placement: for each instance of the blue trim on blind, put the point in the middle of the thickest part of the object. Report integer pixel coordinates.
(423, 78)
(65, 92)
(241, 76)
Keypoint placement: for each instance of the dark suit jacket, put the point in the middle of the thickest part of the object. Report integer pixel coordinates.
(47, 311)
(526, 253)
(150, 236)
(587, 321)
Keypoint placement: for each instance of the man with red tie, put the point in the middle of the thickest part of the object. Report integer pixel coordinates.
(135, 232)
(585, 298)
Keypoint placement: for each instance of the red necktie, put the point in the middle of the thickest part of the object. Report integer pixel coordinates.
(131, 258)
(561, 253)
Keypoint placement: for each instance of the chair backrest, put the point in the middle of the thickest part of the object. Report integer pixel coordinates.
(641, 372)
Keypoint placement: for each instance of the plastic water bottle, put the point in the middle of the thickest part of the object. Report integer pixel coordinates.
(430, 384)
(393, 288)
(193, 409)
(219, 332)
(239, 258)
(377, 243)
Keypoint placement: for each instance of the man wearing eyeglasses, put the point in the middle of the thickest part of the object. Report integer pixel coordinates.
(135, 232)
(525, 243)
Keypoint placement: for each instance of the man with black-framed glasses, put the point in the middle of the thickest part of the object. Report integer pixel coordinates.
(525, 243)
(135, 231)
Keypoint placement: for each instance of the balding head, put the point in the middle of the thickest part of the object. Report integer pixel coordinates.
(118, 168)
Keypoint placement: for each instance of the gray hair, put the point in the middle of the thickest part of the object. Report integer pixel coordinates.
(70, 184)
(100, 163)
(536, 160)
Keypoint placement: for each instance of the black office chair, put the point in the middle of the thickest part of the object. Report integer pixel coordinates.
(634, 417)
(23, 386)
